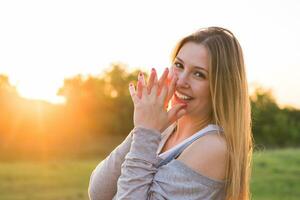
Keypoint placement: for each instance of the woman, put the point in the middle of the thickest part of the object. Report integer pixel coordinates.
(201, 148)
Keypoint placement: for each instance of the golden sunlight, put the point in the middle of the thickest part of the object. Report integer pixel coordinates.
(37, 90)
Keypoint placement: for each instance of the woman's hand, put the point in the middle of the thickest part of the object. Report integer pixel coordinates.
(150, 102)
(166, 78)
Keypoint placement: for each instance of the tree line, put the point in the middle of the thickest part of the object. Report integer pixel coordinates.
(98, 114)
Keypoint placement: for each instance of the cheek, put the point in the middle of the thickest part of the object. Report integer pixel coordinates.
(203, 93)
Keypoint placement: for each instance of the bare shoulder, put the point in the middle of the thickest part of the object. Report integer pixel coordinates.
(207, 156)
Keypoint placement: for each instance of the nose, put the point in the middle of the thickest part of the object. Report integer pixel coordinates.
(182, 80)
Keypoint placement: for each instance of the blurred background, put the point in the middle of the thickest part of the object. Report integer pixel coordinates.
(65, 67)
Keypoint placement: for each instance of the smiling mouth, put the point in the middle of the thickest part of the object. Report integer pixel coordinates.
(182, 98)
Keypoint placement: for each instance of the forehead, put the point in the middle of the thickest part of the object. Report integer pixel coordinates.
(194, 54)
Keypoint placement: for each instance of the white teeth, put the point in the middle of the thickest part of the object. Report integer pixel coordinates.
(182, 96)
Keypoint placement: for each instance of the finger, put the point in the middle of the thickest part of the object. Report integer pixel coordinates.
(139, 89)
(163, 94)
(151, 80)
(154, 89)
(132, 92)
(170, 76)
(176, 112)
(172, 87)
(171, 72)
(180, 113)
(162, 80)
(144, 91)
(141, 78)
(155, 78)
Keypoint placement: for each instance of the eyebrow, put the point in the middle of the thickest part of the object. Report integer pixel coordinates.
(194, 66)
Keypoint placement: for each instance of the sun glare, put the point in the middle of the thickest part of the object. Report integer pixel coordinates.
(39, 91)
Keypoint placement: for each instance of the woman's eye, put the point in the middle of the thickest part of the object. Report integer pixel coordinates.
(199, 74)
(178, 65)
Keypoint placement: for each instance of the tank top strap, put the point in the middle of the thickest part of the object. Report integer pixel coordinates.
(174, 153)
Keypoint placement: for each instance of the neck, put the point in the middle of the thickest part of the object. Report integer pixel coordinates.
(187, 126)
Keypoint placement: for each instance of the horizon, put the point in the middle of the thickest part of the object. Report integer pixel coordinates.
(61, 100)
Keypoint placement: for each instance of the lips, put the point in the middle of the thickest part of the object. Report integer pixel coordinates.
(182, 98)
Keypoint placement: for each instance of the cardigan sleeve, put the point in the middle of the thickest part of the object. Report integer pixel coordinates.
(103, 180)
(140, 165)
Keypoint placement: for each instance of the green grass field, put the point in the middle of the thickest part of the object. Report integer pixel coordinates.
(276, 176)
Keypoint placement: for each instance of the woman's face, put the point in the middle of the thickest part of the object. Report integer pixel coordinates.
(191, 67)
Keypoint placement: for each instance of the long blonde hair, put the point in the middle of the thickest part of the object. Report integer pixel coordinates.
(230, 104)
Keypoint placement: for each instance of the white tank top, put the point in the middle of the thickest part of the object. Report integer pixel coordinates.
(166, 134)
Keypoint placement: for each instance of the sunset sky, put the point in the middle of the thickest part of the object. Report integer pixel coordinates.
(42, 42)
